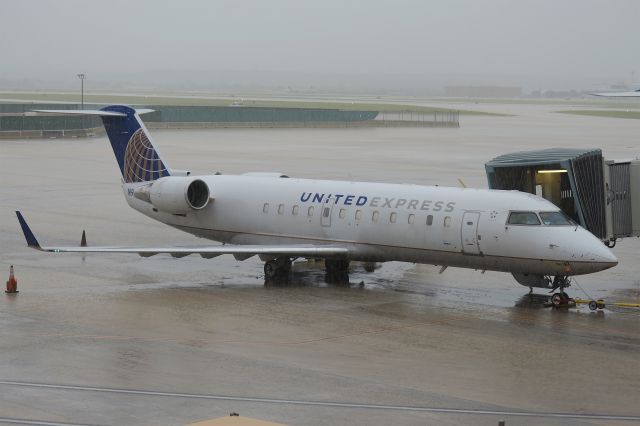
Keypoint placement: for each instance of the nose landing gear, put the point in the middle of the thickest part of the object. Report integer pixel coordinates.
(561, 299)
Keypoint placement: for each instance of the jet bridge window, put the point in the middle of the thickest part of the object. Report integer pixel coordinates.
(523, 218)
(555, 218)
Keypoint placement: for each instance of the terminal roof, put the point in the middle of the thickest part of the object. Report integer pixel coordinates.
(543, 156)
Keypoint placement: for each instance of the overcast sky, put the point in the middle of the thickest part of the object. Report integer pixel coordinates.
(575, 41)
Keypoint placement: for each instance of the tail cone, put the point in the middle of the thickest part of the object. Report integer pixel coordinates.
(12, 284)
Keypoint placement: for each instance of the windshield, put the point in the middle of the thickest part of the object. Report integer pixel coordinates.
(523, 218)
(555, 218)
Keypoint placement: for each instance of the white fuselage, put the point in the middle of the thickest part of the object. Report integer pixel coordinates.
(385, 222)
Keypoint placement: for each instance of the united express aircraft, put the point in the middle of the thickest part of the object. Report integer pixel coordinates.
(280, 219)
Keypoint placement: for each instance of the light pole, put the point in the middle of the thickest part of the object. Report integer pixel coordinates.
(81, 77)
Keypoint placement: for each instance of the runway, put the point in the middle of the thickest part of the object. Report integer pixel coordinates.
(119, 339)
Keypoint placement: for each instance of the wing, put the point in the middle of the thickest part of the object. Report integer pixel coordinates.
(240, 252)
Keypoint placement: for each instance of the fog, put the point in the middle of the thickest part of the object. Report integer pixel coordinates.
(255, 44)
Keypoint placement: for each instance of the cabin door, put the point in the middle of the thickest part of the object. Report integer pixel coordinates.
(470, 233)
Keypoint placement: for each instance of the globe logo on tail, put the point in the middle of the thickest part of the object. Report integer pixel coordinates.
(141, 161)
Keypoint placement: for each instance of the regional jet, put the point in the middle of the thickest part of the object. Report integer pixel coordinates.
(281, 218)
(634, 94)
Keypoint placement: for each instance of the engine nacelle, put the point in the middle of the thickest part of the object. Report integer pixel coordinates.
(175, 194)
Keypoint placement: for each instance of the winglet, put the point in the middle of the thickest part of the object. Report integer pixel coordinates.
(28, 235)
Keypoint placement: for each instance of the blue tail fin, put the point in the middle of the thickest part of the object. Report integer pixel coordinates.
(138, 158)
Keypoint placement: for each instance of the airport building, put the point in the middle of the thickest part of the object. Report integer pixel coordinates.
(483, 91)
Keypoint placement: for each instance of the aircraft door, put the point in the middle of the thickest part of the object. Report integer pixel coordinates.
(325, 214)
(470, 233)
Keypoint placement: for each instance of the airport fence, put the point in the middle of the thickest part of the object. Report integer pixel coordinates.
(16, 120)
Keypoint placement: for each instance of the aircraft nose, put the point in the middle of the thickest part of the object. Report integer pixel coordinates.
(599, 254)
(604, 254)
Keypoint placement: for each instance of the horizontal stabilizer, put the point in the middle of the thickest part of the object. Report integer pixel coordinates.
(241, 252)
(77, 112)
(97, 112)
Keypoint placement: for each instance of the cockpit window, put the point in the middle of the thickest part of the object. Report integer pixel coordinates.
(555, 218)
(523, 218)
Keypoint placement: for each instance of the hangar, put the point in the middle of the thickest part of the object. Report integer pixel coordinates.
(601, 195)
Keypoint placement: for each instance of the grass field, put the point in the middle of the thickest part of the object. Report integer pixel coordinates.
(606, 113)
(214, 101)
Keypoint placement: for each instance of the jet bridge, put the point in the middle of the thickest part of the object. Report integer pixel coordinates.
(601, 195)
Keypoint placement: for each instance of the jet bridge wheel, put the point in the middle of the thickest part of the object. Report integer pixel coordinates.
(276, 271)
(337, 271)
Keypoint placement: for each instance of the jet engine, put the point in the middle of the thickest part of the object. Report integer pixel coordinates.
(532, 280)
(175, 194)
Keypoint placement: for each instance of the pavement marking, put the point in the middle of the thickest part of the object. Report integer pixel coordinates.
(336, 404)
(14, 421)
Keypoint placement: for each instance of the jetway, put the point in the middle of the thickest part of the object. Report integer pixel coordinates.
(601, 195)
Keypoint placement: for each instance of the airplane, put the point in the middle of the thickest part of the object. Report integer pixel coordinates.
(280, 219)
(634, 94)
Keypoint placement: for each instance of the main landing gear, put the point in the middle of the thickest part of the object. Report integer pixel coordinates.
(277, 271)
(561, 299)
(337, 271)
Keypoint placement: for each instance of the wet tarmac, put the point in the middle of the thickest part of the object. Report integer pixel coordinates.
(119, 339)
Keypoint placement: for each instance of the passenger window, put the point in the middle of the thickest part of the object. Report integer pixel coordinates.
(281, 209)
(447, 221)
(375, 216)
(326, 212)
(393, 217)
(265, 208)
(523, 218)
(412, 218)
(429, 220)
(342, 213)
(310, 211)
(294, 210)
(358, 214)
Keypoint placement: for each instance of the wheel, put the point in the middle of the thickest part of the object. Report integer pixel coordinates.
(556, 300)
(600, 304)
(270, 269)
(369, 266)
(593, 305)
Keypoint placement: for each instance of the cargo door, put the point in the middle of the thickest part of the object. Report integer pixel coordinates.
(470, 233)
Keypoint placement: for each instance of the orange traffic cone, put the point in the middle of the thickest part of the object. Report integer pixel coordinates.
(12, 284)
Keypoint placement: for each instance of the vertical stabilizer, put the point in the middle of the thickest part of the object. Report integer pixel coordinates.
(138, 158)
